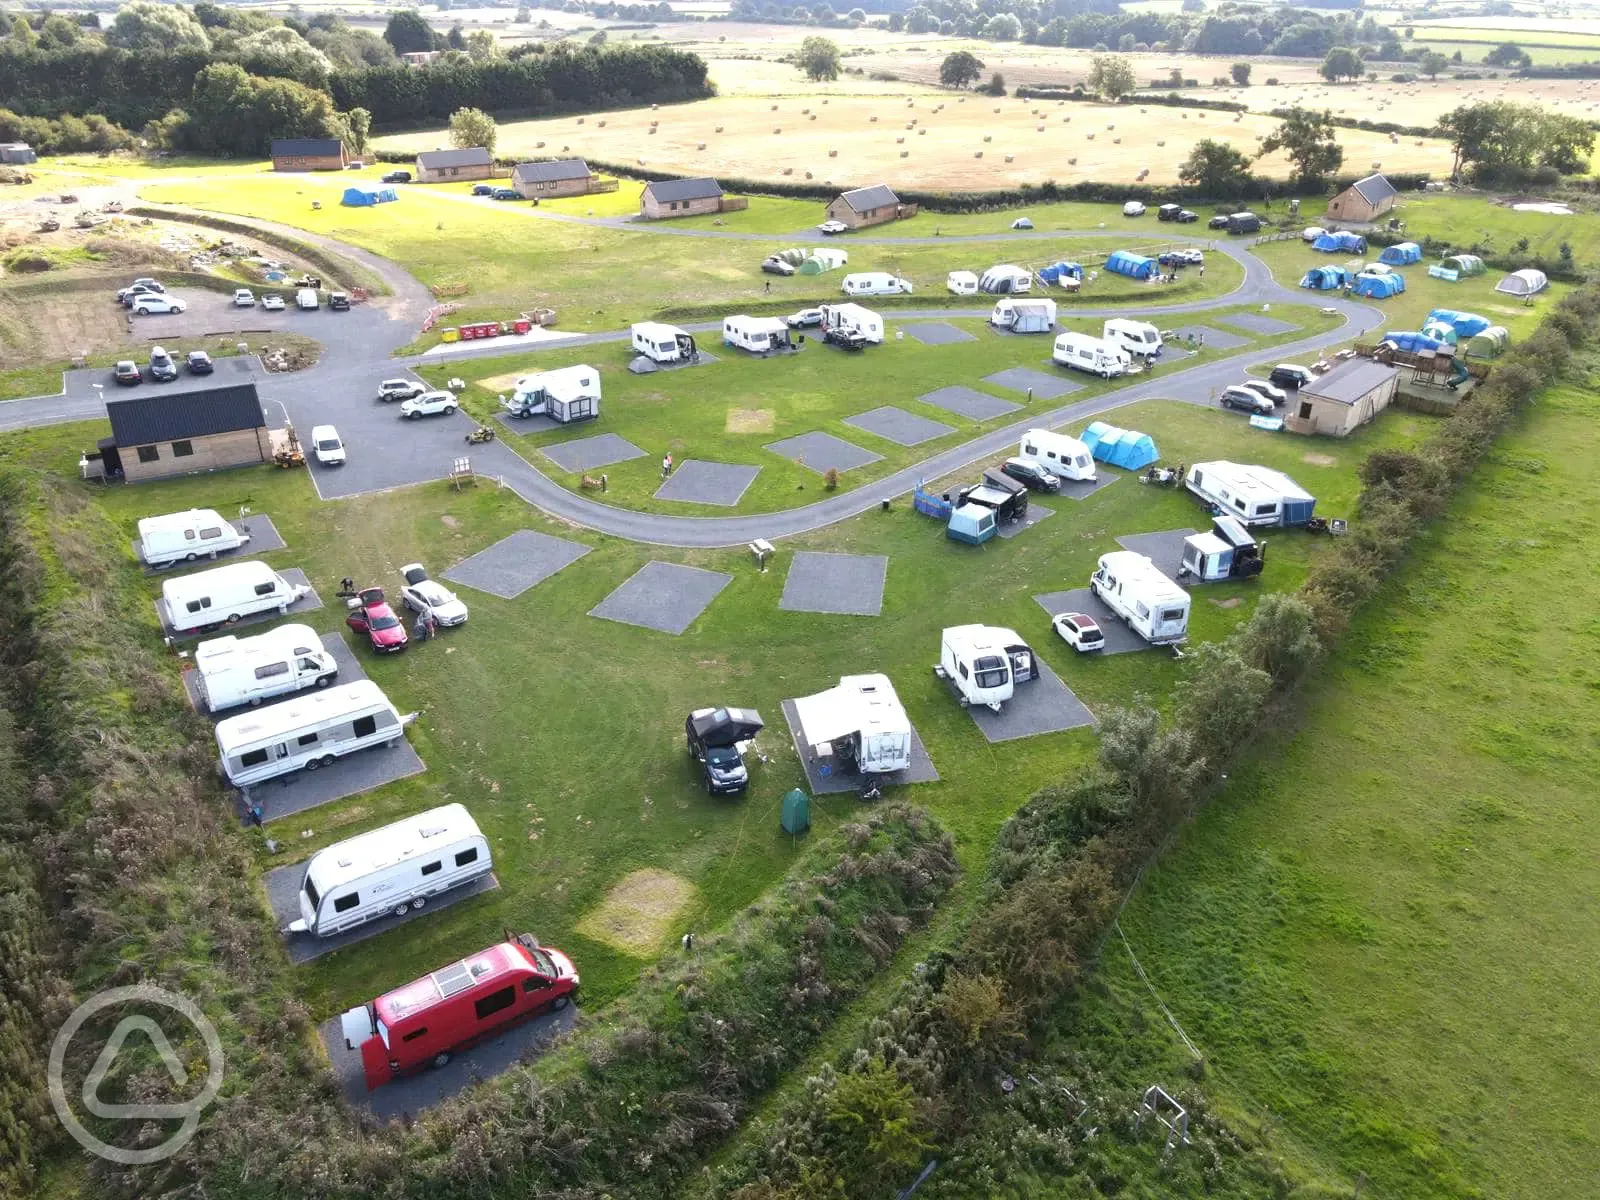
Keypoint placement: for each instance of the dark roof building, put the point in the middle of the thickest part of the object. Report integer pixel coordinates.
(1344, 399)
(554, 171)
(175, 433)
(680, 198)
(879, 195)
(307, 154)
(1364, 199)
(865, 206)
(470, 162)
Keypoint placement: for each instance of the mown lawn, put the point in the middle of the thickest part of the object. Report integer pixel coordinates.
(1463, 220)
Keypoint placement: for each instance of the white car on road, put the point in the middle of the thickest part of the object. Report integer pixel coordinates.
(272, 302)
(429, 403)
(424, 595)
(327, 446)
(155, 302)
(244, 298)
(832, 227)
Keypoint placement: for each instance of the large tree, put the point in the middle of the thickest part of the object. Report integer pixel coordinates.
(282, 51)
(1507, 54)
(1499, 137)
(960, 69)
(472, 127)
(1241, 73)
(818, 58)
(1431, 63)
(1342, 63)
(1216, 169)
(231, 112)
(409, 33)
(1307, 138)
(1111, 76)
(156, 27)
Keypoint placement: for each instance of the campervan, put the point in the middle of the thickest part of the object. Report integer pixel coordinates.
(1094, 355)
(875, 283)
(1136, 337)
(852, 321)
(308, 732)
(961, 283)
(390, 870)
(1062, 455)
(231, 670)
(185, 536)
(759, 335)
(983, 663)
(1226, 552)
(227, 594)
(1255, 495)
(663, 343)
(859, 724)
(1131, 586)
(566, 394)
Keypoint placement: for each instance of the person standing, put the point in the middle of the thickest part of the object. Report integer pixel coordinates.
(666, 464)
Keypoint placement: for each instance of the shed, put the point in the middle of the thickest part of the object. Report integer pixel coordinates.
(962, 283)
(971, 523)
(680, 198)
(796, 817)
(441, 166)
(1378, 287)
(157, 434)
(1345, 398)
(1401, 254)
(1464, 323)
(865, 206)
(1134, 266)
(1526, 282)
(17, 154)
(1325, 279)
(1363, 200)
(1024, 316)
(307, 154)
(1057, 272)
(555, 177)
(1004, 279)
(1487, 343)
(367, 195)
(1126, 448)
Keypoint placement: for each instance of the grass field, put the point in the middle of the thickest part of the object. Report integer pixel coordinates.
(1384, 945)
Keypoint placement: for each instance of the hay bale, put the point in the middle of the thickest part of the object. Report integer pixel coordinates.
(777, 129)
(804, 111)
(922, 133)
(808, 174)
(911, 124)
(651, 131)
(1072, 162)
(1162, 142)
(538, 145)
(653, 124)
(1116, 141)
(833, 154)
(580, 120)
(774, 108)
(1038, 128)
(812, 117)
(653, 107)
(1066, 120)
(873, 120)
(905, 154)
(1090, 137)
(1377, 166)
(700, 146)
(718, 129)
(1110, 127)
(566, 147)
(997, 108)
(988, 138)
(788, 170)
(1009, 157)
(900, 141)
(977, 154)
(600, 124)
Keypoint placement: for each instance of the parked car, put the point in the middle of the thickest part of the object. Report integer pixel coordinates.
(154, 302)
(1168, 212)
(832, 227)
(397, 177)
(372, 617)
(272, 302)
(127, 373)
(1022, 223)
(428, 404)
(199, 363)
(1189, 256)
(244, 298)
(806, 318)
(773, 265)
(338, 301)
(137, 288)
(424, 595)
(1080, 631)
(1246, 400)
(1311, 233)
(327, 446)
(399, 389)
(1220, 221)
(483, 189)
(307, 300)
(716, 739)
(1133, 208)
(1187, 215)
(354, 165)
(505, 193)
(1291, 376)
(1030, 474)
(162, 368)
(1271, 391)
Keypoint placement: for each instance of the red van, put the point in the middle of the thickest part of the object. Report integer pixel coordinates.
(425, 1022)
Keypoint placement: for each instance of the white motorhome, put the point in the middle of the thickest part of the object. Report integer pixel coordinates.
(662, 343)
(759, 335)
(1136, 337)
(1252, 494)
(1153, 606)
(1024, 316)
(233, 671)
(1094, 355)
(1005, 279)
(961, 283)
(1062, 455)
(185, 536)
(566, 394)
(390, 871)
(875, 283)
(854, 320)
(227, 594)
(307, 732)
(860, 723)
(984, 663)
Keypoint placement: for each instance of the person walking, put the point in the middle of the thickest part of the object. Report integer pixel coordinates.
(769, 287)
(1202, 270)
(666, 464)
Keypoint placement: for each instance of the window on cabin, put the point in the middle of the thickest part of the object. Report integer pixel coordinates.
(149, 454)
(182, 449)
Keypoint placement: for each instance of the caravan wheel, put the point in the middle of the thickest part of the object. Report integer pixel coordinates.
(191, 556)
(419, 902)
(233, 619)
(401, 910)
(327, 760)
(313, 764)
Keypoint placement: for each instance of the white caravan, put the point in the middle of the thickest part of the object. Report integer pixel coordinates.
(1005, 279)
(1062, 455)
(961, 283)
(1094, 355)
(234, 670)
(1252, 494)
(390, 871)
(1131, 586)
(875, 283)
(307, 732)
(1025, 316)
(185, 536)
(1136, 337)
(566, 394)
(662, 343)
(854, 320)
(759, 335)
(860, 723)
(224, 595)
(983, 663)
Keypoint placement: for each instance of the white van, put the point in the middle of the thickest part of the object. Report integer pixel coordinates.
(759, 335)
(185, 536)
(1094, 355)
(233, 671)
(1062, 455)
(875, 283)
(307, 732)
(1136, 337)
(327, 446)
(307, 299)
(390, 870)
(961, 283)
(227, 594)
(1131, 586)
(662, 343)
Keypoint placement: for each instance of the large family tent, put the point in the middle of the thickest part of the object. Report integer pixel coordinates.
(1414, 343)
(1440, 331)
(1134, 266)
(1526, 282)
(1003, 279)
(1464, 323)
(367, 195)
(1341, 243)
(1126, 448)
(1378, 287)
(1401, 254)
(1488, 343)
(1458, 266)
(1055, 273)
(1325, 279)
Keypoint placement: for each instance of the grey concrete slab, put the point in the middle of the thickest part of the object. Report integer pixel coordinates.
(283, 893)
(937, 333)
(1042, 705)
(1165, 549)
(1119, 638)
(350, 671)
(821, 451)
(1215, 339)
(1256, 323)
(1172, 352)
(348, 776)
(1042, 384)
(539, 424)
(310, 602)
(585, 454)
(1081, 489)
(835, 583)
(1036, 513)
(697, 482)
(664, 596)
(264, 539)
(823, 780)
(515, 563)
(968, 402)
(899, 426)
(415, 1094)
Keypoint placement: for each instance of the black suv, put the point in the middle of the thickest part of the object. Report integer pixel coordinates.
(1030, 474)
(338, 301)
(1291, 377)
(397, 177)
(1220, 221)
(1007, 497)
(714, 736)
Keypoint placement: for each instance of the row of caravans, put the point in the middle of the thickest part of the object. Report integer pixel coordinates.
(186, 536)
(226, 595)
(308, 732)
(1112, 353)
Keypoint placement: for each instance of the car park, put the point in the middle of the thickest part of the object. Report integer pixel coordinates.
(327, 446)
(162, 368)
(397, 177)
(244, 298)
(428, 596)
(806, 318)
(1220, 221)
(1080, 631)
(127, 373)
(832, 227)
(199, 363)
(505, 193)
(391, 390)
(338, 302)
(1133, 208)
(272, 302)
(773, 265)
(371, 617)
(1246, 400)
(1022, 223)
(1271, 391)
(152, 303)
(429, 404)
(1291, 376)
(1031, 475)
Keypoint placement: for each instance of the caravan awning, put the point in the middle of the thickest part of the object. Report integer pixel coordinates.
(827, 715)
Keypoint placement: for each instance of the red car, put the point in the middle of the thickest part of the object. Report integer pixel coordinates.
(372, 616)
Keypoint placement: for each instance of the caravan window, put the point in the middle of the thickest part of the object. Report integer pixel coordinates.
(991, 671)
(1138, 607)
(1172, 614)
(495, 1001)
(467, 856)
(271, 669)
(188, 535)
(252, 758)
(1030, 449)
(365, 726)
(207, 534)
(197, 605)
(311, 894)
(266, 589)
(962, 667)
(306, 739)
(433, 867)
(346, 903)
(1267, 510)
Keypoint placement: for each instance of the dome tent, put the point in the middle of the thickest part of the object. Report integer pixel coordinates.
(1440, 331)
(1126, 448)
(1400, 254)
(1379, 287)
(1464, 264)
(1324, 279)
(1526, 282)
(1488, 343)
(1414, 343)
(1135, 266)
(1341, 243)
(365, 196)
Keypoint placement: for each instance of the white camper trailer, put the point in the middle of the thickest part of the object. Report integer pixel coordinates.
(961, 283)
(1135, 337)
(307, 732)
(185, 536)
(759, 335)
(567, 394)
(875, 283)
(1062, 455)
(662, 343)
(853, 320)
(391, 870)
(1025, 316)
(234, 670)
(1005, 279)
(984, 663)
(1131, 586)
(1252, 494)
(860, 724)
(227, 594)
(1094, 355)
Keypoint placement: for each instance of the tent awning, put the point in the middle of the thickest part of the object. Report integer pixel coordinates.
(827, 715)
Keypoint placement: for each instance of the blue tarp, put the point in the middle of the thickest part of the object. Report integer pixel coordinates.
(1379, 287)
(1414, 343)
(1325, 279)
(363, 197)
(1056, 272)
(1341, 243)
(1464, 323)
(1401, 254)
(1126, 448)
(1135, 266)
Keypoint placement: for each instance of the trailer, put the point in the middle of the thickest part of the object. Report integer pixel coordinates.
(759, 335)
(226, 595)
(1227, 551)
(1097, 356)
(565, 395)
(185, 536)
(983, 663)
(231, 671)
(875, 283)
(1133, 588)
(663, 343)
(1062, 455)
(961, 283)
(308, 732)
(860, 724)
(1253, 494)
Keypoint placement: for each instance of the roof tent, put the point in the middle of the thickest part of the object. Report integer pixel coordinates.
(1464, 264)
(1126, 448)
(1057, 271)
(1415, 343)
(726, 726)
(1488, 343)
(1134, 266)
(1464, 323)
(365, 197)
(1526, 282)
(1379, 287)
(1401, 254)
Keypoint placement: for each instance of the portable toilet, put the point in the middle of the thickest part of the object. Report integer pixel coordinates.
(971, 523)
(796, 816)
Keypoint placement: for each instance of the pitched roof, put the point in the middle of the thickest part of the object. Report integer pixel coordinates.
(166, 416)
(471, 156)
(1349, 381)
(1375, 189)
(551, 171)
(305, 147)
(865, 199)
(671, 190)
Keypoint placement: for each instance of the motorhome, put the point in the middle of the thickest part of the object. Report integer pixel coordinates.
(1024, 316)
(1136, 337)
(390, 871)
(1094, 355)
(663, 343)
(1255, 495)
(962, 283)
(308, 732)
(983, 663)
(875, 283)
(185, 536)
(759, 335)
(853, 321)
(1227, 551)
(1062, 455)
(224, 595)
(231, 671)
(859, 724)
(566, 394)
(1153, 606)
(1005, 279)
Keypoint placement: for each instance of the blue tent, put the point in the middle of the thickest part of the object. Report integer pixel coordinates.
(1414, 343)
(1126, 448)
(365, 197)
(1135, 266)
(1401, 254)
(1056, 272)
(1341, 243)
(1464, 323)
(1325, 279)
(1379, 287)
